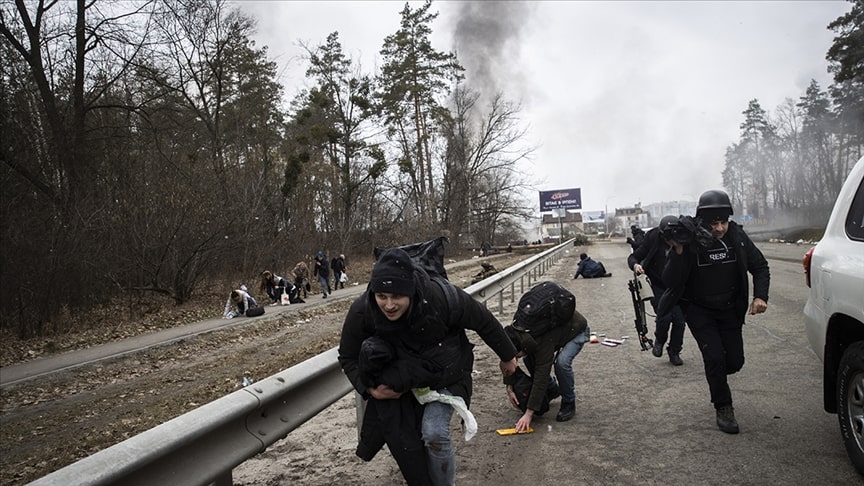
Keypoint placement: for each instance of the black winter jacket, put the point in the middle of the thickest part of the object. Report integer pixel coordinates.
(431, 322)
(322, 267)
(651, 254)
(542, 350)
(678, 274)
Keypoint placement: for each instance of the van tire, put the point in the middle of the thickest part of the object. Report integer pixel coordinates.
(850, 401)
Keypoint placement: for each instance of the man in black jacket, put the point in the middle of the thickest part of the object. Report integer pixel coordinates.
(649, 257)
(556, 348)
(338, 267)
(322, 272)
(714, 292)
(413, 312)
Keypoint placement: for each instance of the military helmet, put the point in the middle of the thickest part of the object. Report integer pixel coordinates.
(714, 202)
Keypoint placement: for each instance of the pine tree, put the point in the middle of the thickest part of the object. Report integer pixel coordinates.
(413, 79)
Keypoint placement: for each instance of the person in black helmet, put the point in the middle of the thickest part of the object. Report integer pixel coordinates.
(637, 238)
(714, 290)
(649, 258)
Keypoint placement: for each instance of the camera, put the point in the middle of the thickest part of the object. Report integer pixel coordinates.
(686, 230)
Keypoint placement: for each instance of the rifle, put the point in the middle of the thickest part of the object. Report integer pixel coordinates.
(640, 291)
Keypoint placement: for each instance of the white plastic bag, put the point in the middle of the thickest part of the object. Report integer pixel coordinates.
(426, 395)
(286, 299)
(343, 278)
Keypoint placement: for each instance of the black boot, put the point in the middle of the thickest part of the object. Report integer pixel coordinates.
(726, 419)
(675, 358)
(657, 349)
(566, 412)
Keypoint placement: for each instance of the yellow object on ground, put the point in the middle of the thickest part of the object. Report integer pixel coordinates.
(513, 431)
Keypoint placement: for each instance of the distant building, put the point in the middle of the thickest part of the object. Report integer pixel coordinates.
(674, 208)
(627, 217)
(551, 226)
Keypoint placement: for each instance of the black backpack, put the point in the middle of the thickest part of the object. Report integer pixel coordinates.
(428, 255)
(543, 307)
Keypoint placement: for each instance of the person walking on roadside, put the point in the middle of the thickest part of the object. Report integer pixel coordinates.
(322, 272)
(403, 305)
(338, 266)
(649, 258)
(711, 284)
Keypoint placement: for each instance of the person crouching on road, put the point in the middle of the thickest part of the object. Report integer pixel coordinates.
(558, 346)
(238, 303)
(588, 268)
(301, 278)
(403, 305)
(274, 285)
(714, 292)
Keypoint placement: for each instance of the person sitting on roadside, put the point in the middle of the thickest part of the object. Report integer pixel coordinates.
(275, 286)
(588, 268)
(238, 303)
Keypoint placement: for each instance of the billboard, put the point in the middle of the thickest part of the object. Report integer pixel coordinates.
(561, 199)
(593, 216)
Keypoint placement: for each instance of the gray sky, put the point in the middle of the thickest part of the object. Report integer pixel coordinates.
(629, 101)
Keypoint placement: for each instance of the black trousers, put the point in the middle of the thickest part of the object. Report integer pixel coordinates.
(718, 334)
(275, 292)
(396, 423)
(674, 319)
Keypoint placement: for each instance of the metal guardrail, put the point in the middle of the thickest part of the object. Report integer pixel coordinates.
(525, 274)
(204, 445)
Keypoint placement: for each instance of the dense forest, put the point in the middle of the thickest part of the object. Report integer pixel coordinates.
(146, 149)
(788, 167)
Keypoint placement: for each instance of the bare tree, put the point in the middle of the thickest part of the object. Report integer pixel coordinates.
(66, 57)
(482, 176)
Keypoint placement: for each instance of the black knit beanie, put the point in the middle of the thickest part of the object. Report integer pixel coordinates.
(393, 273)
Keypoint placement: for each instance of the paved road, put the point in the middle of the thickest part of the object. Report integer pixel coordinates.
(640, 421)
